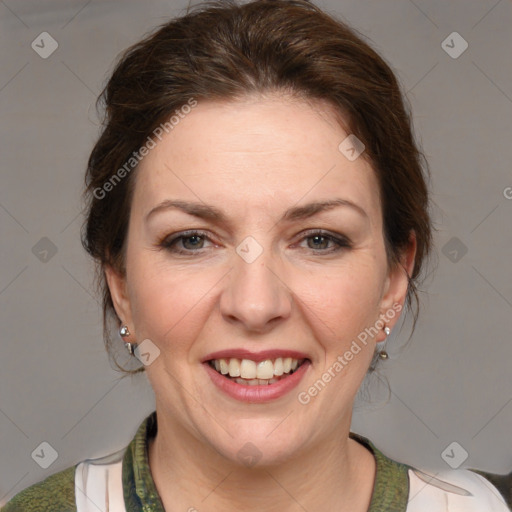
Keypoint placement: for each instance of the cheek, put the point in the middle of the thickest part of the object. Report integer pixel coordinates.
(344, 300)
(168, 305)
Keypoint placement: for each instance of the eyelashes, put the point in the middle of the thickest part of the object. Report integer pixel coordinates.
(177, 244)
(170, 243)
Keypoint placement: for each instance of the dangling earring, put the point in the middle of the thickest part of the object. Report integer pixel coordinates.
(124, 333)
(382, 353)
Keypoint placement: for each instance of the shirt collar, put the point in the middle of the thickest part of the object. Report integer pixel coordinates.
(390, 491)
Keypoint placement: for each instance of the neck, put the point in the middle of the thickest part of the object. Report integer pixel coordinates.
(336, 475)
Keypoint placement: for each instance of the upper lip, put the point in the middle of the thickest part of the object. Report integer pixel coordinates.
(240, 353)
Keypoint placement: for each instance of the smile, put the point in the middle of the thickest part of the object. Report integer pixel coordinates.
(256, 378)
(251, 373)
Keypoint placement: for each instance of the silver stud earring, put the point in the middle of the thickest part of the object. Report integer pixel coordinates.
(387, 330)
(124, 333)
(130, 347)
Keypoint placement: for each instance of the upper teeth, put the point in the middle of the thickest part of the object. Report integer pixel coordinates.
(248, 369)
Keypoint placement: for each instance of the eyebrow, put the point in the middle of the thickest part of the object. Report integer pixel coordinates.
(209, 212)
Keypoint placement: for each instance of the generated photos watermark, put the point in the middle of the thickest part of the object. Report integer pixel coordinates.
(137, 156)
(304, 397)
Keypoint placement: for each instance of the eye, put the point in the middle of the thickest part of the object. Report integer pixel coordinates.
(185, 243)
(321, 241)
(193, 241)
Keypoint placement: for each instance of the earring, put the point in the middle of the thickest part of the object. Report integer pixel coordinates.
(382, 353)
(130, 347)
(124, 333)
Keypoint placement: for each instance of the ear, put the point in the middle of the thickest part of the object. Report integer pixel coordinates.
(118, 291)
(396, 286)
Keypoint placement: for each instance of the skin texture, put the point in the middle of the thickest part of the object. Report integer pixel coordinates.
(253, 159)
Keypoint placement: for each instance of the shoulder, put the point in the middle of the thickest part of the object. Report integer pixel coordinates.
(451, 490)
(96, 479)
(410, 489)
(54, 494)
(502, 482)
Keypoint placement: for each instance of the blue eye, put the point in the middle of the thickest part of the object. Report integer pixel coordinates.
(193, 242)
(320, 241)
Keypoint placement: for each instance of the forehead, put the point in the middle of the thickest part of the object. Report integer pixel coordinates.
(257, 152)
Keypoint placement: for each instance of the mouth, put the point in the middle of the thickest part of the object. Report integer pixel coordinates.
(256, 378)
(256, 373)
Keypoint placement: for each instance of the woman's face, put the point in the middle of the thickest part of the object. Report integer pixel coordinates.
(262, 273)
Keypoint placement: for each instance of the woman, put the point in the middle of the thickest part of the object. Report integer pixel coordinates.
(258, 209)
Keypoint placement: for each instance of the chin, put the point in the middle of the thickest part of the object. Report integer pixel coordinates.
(255, 445)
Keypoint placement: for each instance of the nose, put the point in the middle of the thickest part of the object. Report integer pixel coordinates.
(256, 296)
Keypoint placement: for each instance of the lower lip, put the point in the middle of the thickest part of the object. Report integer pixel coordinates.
(257, 394)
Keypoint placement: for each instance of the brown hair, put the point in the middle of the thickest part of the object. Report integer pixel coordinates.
(224, 51)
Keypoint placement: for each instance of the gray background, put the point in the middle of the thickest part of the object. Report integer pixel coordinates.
(451, 383)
